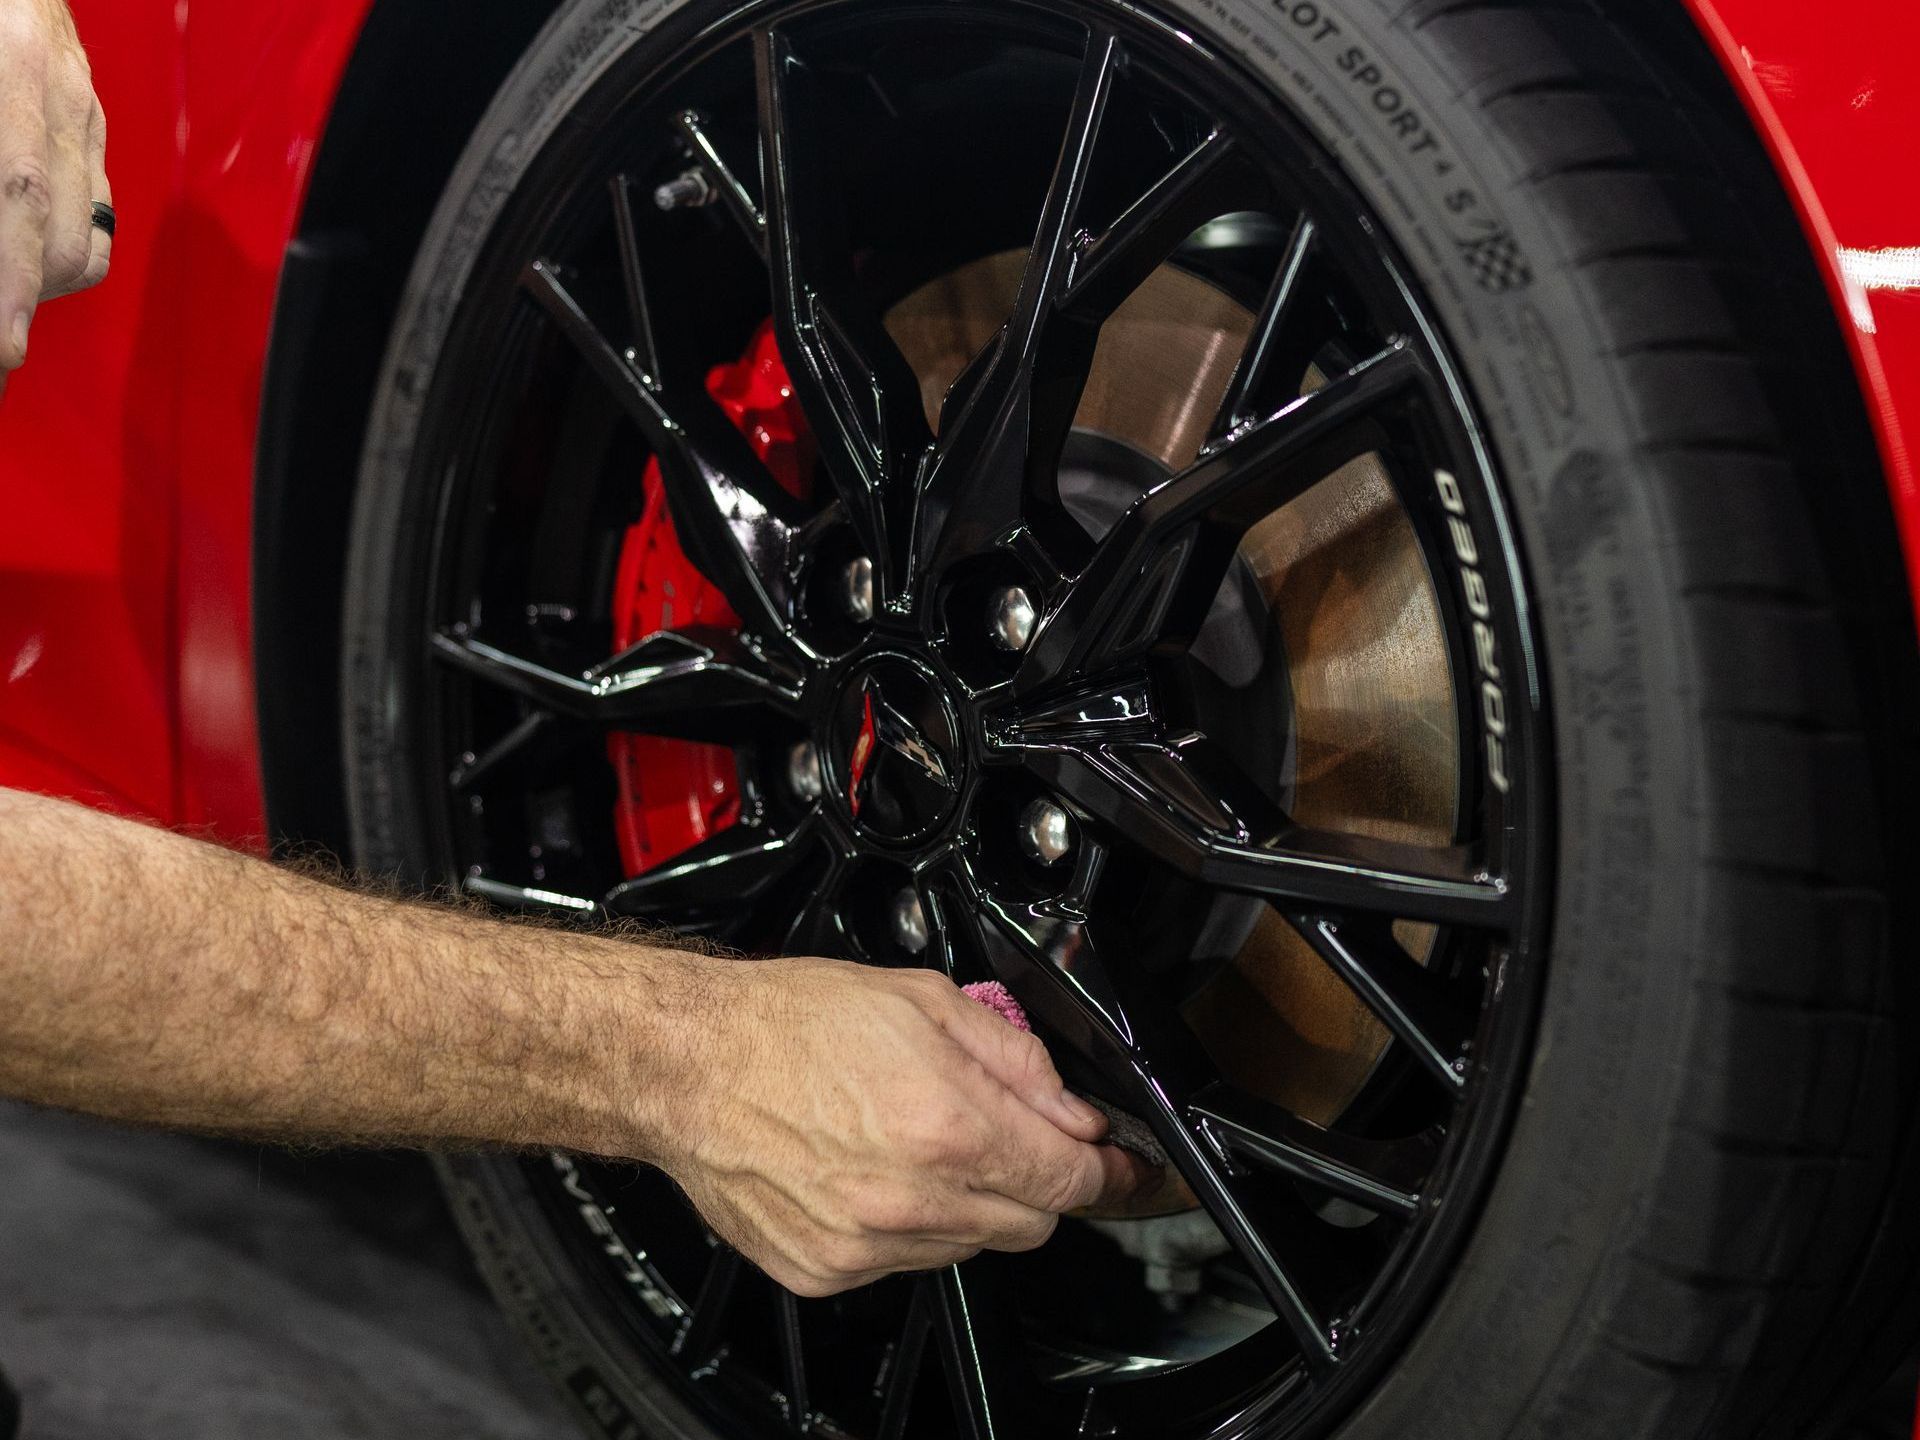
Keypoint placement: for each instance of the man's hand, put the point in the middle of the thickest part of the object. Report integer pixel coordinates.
(53, 166)
(855, 1121)
(834, 1121)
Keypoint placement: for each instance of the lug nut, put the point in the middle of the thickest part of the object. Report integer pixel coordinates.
(803, 772)
(909, 922)
(689, 190)
(1046, 831)
(856, 595)
(1011, 614)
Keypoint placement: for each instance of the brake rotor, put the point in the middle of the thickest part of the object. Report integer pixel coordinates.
(1343, 578)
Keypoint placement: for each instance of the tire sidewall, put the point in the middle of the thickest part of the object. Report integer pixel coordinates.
(1493, 1356)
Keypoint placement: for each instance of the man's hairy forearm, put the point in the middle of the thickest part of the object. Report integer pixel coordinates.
(155, 979)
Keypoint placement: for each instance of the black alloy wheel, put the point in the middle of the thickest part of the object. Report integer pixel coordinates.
(1138, 617)
(964, 649)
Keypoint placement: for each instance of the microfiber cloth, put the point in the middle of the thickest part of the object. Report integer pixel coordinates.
(1129, 1132)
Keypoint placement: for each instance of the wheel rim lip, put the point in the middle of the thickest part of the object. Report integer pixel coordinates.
(1489, 494)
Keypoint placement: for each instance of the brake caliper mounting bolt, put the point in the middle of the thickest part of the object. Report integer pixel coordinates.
(1011, 613)
(803, 772)
(909, 922)
(686, 191)
(1046, 831)
(856, 596)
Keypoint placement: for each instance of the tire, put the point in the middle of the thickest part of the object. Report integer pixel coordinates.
(1695, 1229)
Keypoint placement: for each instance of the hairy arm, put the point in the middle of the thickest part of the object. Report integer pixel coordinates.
(835, 1122)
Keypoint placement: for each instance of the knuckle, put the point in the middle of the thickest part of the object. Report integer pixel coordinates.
(1034, 1234)
(894, 1212)
(24, 181)
(807, 1285)
(939, 1133)
(845, 1255)
(67, 259)
(1064, 1188)
(1031, 1056)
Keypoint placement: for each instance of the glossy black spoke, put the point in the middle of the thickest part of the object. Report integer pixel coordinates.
(1155, 796)
(730, 515)
(861, 398)
(793, 1361)
(1154, 577)
(1381, 1176)
(818, 927)
(704, 1328)
(530, 898)
(1008, 416)
(514, 745)
(733, 195)
(1283, 340)
(696, 684)
(1418, 1006)
(626, 230)
(901, 1376)
(1194, 191)
(991, 1385)
(721, 879)
(1059, 975)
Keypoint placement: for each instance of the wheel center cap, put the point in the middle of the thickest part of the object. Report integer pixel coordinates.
(896, 750)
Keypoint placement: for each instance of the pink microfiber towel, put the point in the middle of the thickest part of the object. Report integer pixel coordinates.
(996, 997)
(1127, 1131)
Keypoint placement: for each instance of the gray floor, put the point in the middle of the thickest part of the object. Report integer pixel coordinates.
(153, 1287)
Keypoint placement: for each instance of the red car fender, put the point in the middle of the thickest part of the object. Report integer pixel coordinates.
(1834, 93)
(127, 444)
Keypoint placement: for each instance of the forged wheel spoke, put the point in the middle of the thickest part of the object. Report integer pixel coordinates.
(793, 1361)
(902, 1373)
(1281, 347)
(1156, 797)
(1044, 955)
(732, 518)
(1411, 1001)
(718, 880)
(1235, 1213)
(734, 195)
(993, 1395)
(1007, 417)
(1153, 578)
(1382, 1177)
(1195, 190)
(860, 396)
(530, 898)
(705, 1326)
(626, 230)
(511, 746)
(699, 685)
(1055, 973)
(818, 929)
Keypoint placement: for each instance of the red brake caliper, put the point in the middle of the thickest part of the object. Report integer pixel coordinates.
(675, 793)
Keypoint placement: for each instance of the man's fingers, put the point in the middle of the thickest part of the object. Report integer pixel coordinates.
(1029, 1159)
(100, 243)
(1020, 1062)
(68, 243)
(26, 196)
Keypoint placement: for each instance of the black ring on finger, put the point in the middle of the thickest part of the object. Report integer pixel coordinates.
(103, 217)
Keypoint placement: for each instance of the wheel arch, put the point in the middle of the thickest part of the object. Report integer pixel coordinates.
(418, 79)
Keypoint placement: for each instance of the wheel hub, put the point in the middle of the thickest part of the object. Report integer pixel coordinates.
(897, 753)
